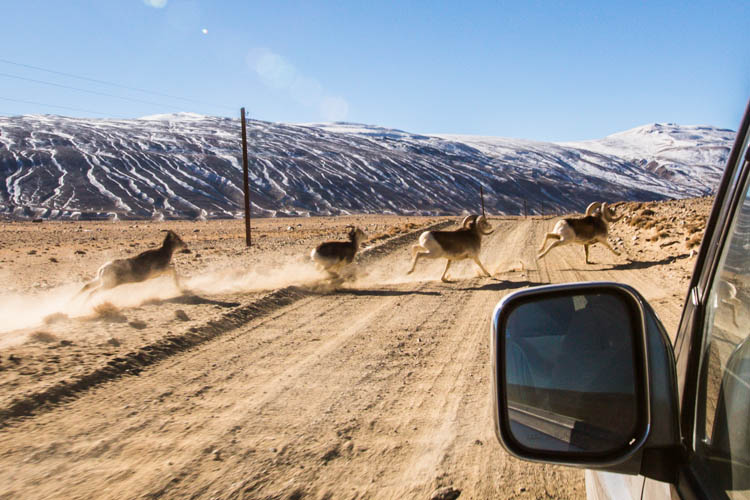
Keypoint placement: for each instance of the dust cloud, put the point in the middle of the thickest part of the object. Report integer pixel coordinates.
(261, 277)
(22, 312)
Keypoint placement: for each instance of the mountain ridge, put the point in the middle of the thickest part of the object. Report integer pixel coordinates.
(189, 166)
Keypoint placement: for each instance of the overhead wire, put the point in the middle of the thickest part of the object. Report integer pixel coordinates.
(70, 108)
(94, 92)
(113, 84)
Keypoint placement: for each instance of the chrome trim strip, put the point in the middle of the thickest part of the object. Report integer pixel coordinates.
(695, 296)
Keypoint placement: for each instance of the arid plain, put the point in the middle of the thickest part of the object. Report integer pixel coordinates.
(263, 381)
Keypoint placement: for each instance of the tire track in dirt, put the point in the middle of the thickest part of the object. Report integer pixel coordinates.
(379, 390)
(200, 395)
(133, 362)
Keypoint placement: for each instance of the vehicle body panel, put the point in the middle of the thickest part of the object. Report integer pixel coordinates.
(612, 486)
(677, 456)
(689, 339)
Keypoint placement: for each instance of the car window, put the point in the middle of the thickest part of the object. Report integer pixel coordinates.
(722, 430)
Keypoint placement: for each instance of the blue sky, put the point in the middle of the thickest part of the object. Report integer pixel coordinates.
(546, 70)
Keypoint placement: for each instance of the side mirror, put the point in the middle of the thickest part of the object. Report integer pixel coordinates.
(581, 373)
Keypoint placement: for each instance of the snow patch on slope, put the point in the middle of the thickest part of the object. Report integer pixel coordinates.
(187, 165)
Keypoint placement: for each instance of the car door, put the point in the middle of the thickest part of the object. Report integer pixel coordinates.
(713, 349)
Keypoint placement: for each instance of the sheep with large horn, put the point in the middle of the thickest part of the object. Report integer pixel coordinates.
(463, 243)
(587, 230)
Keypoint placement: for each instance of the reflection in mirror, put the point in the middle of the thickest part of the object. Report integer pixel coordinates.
(569, 374)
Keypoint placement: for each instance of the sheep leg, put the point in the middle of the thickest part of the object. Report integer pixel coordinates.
(548, 236)
(417, 255)
(586, 252)
(445, 272)
(176, 279)
(346, 271)
(100, 286)
(544, 242)
(88, 286)
(553, 245)
(476, 260)
(606, 244)
(334, 271)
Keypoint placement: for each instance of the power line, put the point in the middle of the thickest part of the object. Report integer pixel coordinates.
(103, 82)
(89, 91)
(53, 106)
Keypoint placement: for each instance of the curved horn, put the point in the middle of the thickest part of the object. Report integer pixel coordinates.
(468, 220)
(482, 222)
(608, 213)
(593, 207)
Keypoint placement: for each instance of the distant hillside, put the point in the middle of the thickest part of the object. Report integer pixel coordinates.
(189, 166)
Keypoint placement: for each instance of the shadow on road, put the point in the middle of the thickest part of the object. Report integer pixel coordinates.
(383, 293)
(646, 264)
(637, 264)
(500, 286)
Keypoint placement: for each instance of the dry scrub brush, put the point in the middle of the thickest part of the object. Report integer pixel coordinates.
(394, 231)
(694, 241)
(639, 221)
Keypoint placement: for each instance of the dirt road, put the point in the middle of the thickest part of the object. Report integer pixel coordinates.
(378, 390)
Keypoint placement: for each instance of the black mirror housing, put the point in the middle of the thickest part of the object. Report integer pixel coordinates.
(579, 370)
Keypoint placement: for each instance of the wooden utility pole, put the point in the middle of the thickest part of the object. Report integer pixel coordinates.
(245, 182)
(481, 195)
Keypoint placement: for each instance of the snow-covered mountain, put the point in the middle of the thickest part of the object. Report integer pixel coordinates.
(187, 166)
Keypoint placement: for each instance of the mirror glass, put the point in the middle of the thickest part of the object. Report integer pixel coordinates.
(569, 372)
